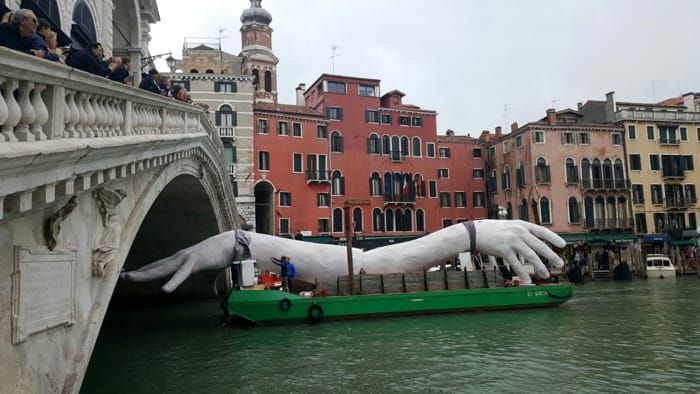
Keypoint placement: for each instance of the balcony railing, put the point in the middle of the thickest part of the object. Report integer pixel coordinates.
(227, 132)
(605, 184)
(608, 224)
(669, 141)
(678, 203)
(399, 200)
(316, 176)
(672, 174)
(231, 168)
(631, 114)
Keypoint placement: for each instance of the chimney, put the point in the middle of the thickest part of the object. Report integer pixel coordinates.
(579, 106)
(551, 116)
(513, 126)
(610, 107)
(499, 132)
(450, 132)
(689, 102)
(301, 89)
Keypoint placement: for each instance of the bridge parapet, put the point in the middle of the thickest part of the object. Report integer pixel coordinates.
(63, 131)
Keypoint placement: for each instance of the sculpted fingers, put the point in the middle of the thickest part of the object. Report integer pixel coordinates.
(179, 277)
(156, 270)
(543, 250)
(529, 255)
(545, 234)
(518, 268)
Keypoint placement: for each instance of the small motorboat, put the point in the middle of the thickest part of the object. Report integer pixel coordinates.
(659, 266)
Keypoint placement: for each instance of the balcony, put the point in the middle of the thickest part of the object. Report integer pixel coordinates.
(608, 224)
(605, 184)
(227, 132)
(664, 116)
(317, 176)
(399, 200)
(669, 141)
(679, 203)
(231, 169)
(672, 173)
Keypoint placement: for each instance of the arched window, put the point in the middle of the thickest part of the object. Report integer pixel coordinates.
(493, 186)
(622, 215)
(209, 71)
(571, 172)
(520, 174)
(505, 181)
(416, 147)
(337, 220)
(523, 210)
(256, 78)
(419, 185)
(404, 146)
(588, 212)
(574, 216)
(388, 194)
(420, 220)
(509, 210)
(545, 213)
(398, 217)
(50, 8)
(225, 117)
(375, 184)
(83, 29)
(268, 81)
(357, 219)
(611, 210)
(194, 71)
(597, 174)
(607, 174)
(542, 171)
(336, 141)
(408, 220)
(395, 148)
(599, 212)
(389, 220)
(586, 173)
(377, 220)
(386, 145)
(337, 184)
(373, 145)
(619, 173)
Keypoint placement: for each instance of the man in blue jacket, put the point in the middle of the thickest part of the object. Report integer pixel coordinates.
(287, 271)
(90, 60)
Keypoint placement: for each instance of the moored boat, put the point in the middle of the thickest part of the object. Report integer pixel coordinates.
(281, 307)
(659, 267)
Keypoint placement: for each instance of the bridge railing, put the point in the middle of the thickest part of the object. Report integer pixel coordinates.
(43, 100)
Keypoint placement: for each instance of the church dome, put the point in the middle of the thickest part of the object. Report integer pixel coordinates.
(256, 14)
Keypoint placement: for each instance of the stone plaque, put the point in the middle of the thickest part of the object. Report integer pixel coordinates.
(43, 294)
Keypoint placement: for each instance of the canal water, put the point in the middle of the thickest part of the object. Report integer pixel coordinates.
(638, 336)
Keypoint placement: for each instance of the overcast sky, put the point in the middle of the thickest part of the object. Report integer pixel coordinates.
(479, 64)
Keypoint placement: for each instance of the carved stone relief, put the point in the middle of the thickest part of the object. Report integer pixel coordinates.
(108, 246)
(53, 227)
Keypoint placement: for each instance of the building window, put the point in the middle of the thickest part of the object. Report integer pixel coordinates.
(377, 220)
(684, 133)
(284, 226)
(367, 91)
(697, 133)
(656, 194)
(635, 162)
(373, 145)
(337, 184)
(667, 135)
(404, 120)
(285, 199)
(692, 221)
(520, 174)
(357, 219)
(296, 163)
(415, 144)
(443, 173)
(264, 161)
(637, 194)
(519, 141)
(416, 121)
(371, 116)
(545, 214)
(337, 220)
(506, 147)
(505, 180)
(404, 146)
(386, 145)
(420, 220)
(386, 119)
(296, 129)
(334, 113)
(476, 153)
(478, 198)
(654, 163)
(432, 189)
(375, 184)
(492, 152)
(226, 117)
(336, 87)
(539, 137)
(444, 152)
(523, 210)
(446, 223)
(584, 139)
(460, 199)
(389, 221)
(430, 149)
(323, 226)
(567, 138)
(640, 223)
(229, 154)
(688, 163)
(571, 172)
(617, 139)
(492, 183)
(632, 132)
(336, 142)
(478, 173)
(650, 133)
(321, 131)
(574, 212)
(690, 194)
(268, 81)
(542, 174)
(282, 128)
(224, 87)
(262, 126)
(323, 199)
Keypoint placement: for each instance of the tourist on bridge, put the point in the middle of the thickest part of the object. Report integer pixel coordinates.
(90, 60)
(18, 32)
(149, 82)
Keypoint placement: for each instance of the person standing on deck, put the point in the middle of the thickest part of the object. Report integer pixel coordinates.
(287, 271)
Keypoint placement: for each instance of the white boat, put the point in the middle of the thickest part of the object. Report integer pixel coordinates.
(659, 266)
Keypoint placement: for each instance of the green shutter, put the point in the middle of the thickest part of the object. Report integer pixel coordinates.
(235, 118)
(235, 87)
(218, 118)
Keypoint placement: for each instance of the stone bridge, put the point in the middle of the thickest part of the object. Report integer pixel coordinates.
(93, 175)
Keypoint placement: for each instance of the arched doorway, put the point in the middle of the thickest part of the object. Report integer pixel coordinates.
(264, 208)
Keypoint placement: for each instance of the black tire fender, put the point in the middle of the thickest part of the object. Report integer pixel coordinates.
(315, 313)
(285, 304)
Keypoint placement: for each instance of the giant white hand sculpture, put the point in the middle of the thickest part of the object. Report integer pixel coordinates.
(502, 238)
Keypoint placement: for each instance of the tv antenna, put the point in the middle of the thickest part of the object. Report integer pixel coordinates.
(554, 102)
(221, 35)
(333, 56)
(653, 89)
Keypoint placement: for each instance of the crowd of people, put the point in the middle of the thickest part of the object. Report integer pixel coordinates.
(22, 31)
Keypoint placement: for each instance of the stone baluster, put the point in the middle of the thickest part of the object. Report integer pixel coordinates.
(106, 117)
(153, 123)
(98, 125)
(3, 111)
(150, 119)
(81, 129)
(13, 110)
(112, 104)
(90, 110)
(119, 120)
(158, 119)
(27, 112)
(109, 116)
(137, 119)
(74, 115)
(42, 113)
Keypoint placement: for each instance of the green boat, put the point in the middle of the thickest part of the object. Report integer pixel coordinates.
(265, 306)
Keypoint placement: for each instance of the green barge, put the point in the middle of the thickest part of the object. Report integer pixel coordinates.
(266, 306)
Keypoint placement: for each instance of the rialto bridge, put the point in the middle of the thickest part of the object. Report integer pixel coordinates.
(94, 176)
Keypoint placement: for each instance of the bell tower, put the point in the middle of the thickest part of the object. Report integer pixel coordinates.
(256, 51)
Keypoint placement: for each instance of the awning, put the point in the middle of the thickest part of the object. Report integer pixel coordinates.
(598, 239)
(682, 242)
(651, 238)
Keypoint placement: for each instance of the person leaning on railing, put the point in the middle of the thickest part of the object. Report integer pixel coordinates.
(40, 38)
(17, 33)
(90, 60)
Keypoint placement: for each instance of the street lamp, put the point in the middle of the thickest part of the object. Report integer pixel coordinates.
(145, 61)
(170, 61)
